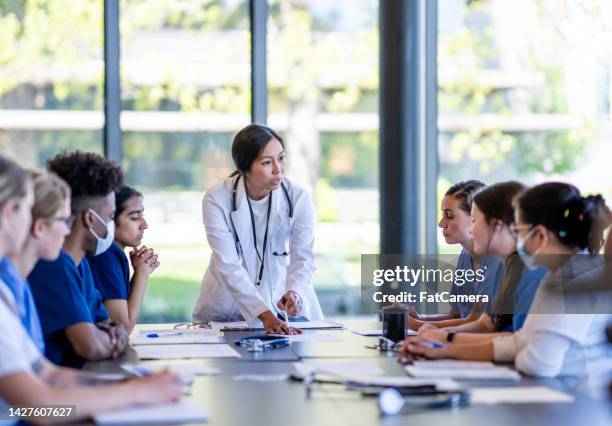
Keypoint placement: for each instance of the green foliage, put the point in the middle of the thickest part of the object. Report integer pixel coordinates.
(467, 58)
(326, 202)
(350, 159)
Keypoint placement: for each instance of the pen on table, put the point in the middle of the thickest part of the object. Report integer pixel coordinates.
(165, 333)
(430, 344)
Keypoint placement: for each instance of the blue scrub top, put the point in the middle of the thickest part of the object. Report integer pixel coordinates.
(111, 273)
(525, 292)
(494, 272)
(20, 288)
(65, 295)
(523, 296)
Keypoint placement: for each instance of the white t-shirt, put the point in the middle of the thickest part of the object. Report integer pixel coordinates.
(260, 214)
(554, 341)
(17, 350)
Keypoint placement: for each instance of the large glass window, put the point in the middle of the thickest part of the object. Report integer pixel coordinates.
(185, 82)
(529, 103)
(51, 76)
(323, 97)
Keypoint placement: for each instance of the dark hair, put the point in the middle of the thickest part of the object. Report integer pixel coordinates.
(463, 192)
(576, 220)
(503, 306)
(248, 143)
(495, 201)
(89, 175)
(122, 194)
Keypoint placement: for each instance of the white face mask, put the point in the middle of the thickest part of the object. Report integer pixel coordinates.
(528, 259)
(102, 244)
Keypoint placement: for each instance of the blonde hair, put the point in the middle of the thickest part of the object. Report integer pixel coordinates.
(14, 181)
(50, 194)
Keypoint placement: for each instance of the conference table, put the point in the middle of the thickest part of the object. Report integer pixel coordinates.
(287, 403)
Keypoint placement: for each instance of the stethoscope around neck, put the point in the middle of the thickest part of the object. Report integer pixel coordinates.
(265, 242)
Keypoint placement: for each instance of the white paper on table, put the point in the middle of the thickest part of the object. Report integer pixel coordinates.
(369, 332)
(185, 411)
(451, 363)
(243, 325)
(184, 370)
(262, 378)
(379, 332)
(311, 336)
(110, 377)
(487, 373)
(341, 369)
(518, 395)
(442, 385)
(181, 337)
(208, 350)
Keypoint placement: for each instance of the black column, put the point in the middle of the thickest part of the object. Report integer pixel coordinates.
(112, 88)
(408, 126)
(259, 76)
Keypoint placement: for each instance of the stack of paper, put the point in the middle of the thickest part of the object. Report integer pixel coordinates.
(186, 371)
(518, 395)
(305, 325)
(379, 332)
(311, 337)
(170, 336)
(339, 369)
(181, 412)
(467, 370)
(185, 351)
(365, 373)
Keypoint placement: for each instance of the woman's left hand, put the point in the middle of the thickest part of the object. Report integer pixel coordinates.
(291, 302)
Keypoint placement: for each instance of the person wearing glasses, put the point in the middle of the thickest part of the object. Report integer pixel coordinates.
(26, 377)
(75, 323)
(564, 332)
(492, 219)
(121, 295)
(259, 226)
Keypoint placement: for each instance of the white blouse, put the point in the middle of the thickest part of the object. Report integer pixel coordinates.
(563, 334)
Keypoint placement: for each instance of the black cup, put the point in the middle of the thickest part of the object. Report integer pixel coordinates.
(394, 323)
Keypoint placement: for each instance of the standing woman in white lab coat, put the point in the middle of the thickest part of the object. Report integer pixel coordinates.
(259, 226)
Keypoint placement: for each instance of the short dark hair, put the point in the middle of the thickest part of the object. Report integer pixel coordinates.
(576, 220)
(463, 192)
(248, 144)
(122, 194)
(89, 175)
(495, 201)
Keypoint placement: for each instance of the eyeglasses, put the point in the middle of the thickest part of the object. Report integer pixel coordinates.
(191, 325)
(515, 229)
(69, 221)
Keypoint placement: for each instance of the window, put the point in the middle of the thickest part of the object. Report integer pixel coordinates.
(51, 77)
(185, 82)
(530, 105)
(323, 97)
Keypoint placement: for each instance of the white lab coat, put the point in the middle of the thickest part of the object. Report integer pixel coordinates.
(228, 287)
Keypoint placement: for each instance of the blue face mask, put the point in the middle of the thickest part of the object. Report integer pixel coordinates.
(102, 244)
(528, 259)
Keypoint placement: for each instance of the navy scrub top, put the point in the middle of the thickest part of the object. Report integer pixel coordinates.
(111, 273)
(65, 295)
